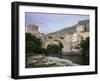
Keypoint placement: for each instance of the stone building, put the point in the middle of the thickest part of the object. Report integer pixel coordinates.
(83, 29)
(82, 32)
(32, 29)
(84, 35)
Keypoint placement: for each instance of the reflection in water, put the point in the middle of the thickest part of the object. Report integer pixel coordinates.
(74, 58)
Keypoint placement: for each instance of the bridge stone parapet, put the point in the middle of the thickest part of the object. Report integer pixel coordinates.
(57, 40)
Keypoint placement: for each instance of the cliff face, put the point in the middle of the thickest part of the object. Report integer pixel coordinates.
(71, 29)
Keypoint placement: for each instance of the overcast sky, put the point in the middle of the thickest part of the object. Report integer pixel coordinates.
(48, 23)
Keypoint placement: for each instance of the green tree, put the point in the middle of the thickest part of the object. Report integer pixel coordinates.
(30, 37)
(33, 45)
(84, 45)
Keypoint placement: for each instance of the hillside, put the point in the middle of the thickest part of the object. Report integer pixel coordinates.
(71, 29)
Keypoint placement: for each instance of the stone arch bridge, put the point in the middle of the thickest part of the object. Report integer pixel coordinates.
(56, 40)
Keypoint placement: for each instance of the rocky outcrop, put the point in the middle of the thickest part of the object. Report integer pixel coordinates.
(49, 61)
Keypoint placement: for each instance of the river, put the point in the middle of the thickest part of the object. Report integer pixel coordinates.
(74, 58)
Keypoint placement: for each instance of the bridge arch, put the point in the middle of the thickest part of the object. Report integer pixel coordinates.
(55, 41)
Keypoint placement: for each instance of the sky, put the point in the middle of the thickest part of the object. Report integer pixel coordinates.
(48, 22)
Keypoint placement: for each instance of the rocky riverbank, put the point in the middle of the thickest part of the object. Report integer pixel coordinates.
(47, 61)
